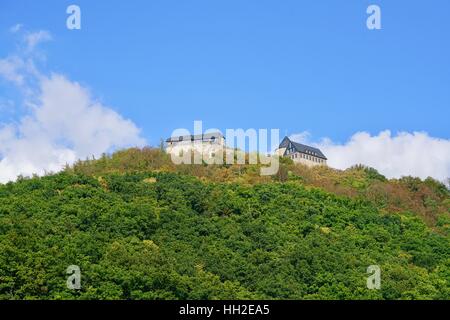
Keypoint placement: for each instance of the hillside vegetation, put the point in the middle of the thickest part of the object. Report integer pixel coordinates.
(140, 227)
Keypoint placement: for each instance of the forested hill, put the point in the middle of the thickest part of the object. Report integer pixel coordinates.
(141, 228)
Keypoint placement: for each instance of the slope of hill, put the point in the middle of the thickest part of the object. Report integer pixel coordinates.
(141, 228)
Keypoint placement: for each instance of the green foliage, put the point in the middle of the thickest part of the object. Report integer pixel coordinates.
(138, 230)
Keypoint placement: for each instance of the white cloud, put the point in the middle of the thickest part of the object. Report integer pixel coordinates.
(16, 28)
(64, 123)
(416, 154)
(32, 39)
(10, 69)
(85, 123)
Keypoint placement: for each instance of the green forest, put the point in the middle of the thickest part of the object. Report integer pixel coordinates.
(140, 227)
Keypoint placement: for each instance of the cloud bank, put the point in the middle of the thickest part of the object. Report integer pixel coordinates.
(63, 121)
(416, 154)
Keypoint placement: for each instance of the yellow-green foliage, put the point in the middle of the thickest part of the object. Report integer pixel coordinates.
(141, 228)
(428, 199)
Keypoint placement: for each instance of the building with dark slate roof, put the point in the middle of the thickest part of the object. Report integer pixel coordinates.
(301, 153)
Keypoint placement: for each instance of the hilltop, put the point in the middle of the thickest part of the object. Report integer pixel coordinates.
(429, 199)
(140, 227)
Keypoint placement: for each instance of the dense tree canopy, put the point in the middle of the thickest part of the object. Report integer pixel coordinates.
(153, 231)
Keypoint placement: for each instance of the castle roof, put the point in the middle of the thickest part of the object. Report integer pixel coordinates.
(204, 136)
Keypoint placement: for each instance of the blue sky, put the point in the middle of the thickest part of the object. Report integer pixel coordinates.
(294, 65)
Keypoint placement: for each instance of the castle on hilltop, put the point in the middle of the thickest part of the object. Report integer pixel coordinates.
(300, 153)
(210, 144)
(207, 144)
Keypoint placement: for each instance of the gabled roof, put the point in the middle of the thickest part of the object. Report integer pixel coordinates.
(205, 136)
(302, 148)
